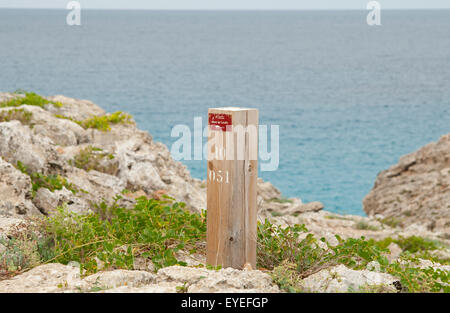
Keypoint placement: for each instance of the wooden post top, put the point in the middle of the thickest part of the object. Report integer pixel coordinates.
(233, 109)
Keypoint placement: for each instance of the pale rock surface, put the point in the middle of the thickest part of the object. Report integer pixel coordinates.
(394, 252)
(15, 192)
(18, 144)
(341, 279)
(416, 190)
(42, 279)
(66, 278)
(74, 108)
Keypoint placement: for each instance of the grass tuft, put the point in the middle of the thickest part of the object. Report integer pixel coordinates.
(51, 182)
(29, 98)
(92, 158)
(102, 122)
(20, 115)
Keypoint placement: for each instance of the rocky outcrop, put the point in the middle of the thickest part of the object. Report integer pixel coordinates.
(416, 190)
(51, 278)
(52, 139)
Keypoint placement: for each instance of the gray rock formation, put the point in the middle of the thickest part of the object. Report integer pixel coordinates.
(48, 143)
(15, 192)
(416, 190)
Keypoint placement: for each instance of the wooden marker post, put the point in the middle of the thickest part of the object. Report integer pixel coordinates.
(231, 183)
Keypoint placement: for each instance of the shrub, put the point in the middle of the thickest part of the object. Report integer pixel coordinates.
(281, 200)
(391, 221)
(277, 244)
(116, 236)
(24, 250)
(16, 114)
(30, 98)
(281, 250)
(102, 122)
(366, 226)
(51, 182)
(91, 158)
(411, 244)
(287, 277)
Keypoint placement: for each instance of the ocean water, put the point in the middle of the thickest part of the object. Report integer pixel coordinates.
(350, 99)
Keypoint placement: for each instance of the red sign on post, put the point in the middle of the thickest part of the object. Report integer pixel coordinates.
(218, 121)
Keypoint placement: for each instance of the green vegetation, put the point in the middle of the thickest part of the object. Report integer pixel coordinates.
(276, 213)
(417, 246)
(365, 225)
(411, 244)
(20, 115)
(158, 229)
(102, 122)
(29, 98)
(51, 182)
(24, 250)
(391, 221)
(281, 250)
(116, 236)
(287, 277)
(90, 158)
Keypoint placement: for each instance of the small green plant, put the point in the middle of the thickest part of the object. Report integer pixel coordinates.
(102, 122)
(287, 277)
(92, 158)
(24, 250)
(183, 288)
(410, 244)
(213, 268)
(51, 182)
(277, 244)
(391, 221)
(281, 200)
(276, 213)
(20, 115)
(366, 226)
(29, 98)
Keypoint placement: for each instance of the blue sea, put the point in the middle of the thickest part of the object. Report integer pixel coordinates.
(350, 98)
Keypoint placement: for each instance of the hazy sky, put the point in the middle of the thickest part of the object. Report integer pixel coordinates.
(228, 4)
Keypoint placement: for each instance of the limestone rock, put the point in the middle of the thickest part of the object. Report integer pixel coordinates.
(308, 207)
(341, 279)
(42, 279)
(74, 108)
(416, 190)
(47, 201)
(394, 252)
(18, 144)
(267, 191)
(66, 278)
(15, 192)
(114, 279)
